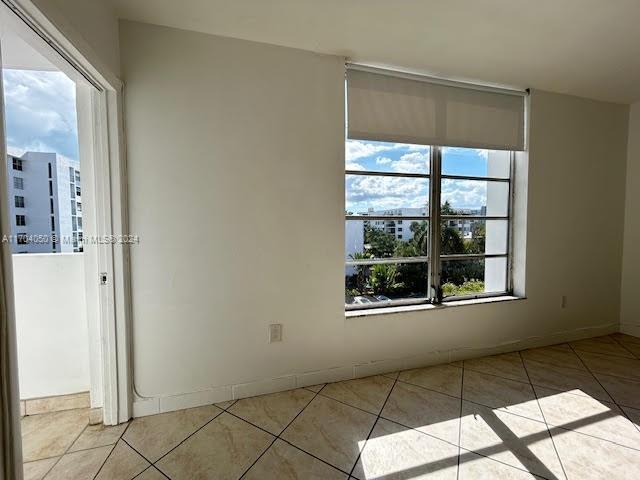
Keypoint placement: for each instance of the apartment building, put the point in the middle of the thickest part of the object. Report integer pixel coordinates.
(45, 203)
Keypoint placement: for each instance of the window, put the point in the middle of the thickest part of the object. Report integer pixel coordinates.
(51, 205)
(53, 224)
(21, 220)
(78, 190)
(72, 190)
(72, 174)
(17, 164)
(49, 168)
(73, 207)
(18, 183)
(79, 206)
(22, 239)
(50, 188)
(74, 224)
(79, 223)
(77, 176)
(19, 201)
(454, 204)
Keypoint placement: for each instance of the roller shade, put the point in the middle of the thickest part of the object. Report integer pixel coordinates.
(401, 109)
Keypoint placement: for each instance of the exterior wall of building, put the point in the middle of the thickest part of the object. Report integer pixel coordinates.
(46, 190)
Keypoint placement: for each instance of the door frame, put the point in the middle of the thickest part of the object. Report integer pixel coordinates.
(107, 158)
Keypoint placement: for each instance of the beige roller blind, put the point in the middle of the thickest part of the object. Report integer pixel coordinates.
(390, 108)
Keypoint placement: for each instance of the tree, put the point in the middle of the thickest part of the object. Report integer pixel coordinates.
(378, 242)
(383, 279)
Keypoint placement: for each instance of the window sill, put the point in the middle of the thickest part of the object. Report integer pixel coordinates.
(428, 306)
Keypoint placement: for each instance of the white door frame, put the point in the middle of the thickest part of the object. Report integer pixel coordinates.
(109, 191)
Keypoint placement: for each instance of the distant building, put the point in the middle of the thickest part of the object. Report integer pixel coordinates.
(400, 229)
(45, 203)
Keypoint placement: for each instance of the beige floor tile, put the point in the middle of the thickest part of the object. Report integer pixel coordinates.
(623, 391)
(604, 345)
(610, 365)
(508, 395)
(476, 467)
(315, 388)
(425, 410)
(51, 434)
(81, 465)
(587, 415)
(507, 365)
(122, 463)
(392, 375)
(98, 436)
(441, 378)
(625, 339)
(57, 404)
(395, 452)
(457, 363)
(225, 405)
(367, 393)
(223, 449)
(38, 469)
(561, 355)
(580, 381)
(272, 412)
(633, 414)
(634, 348)
(332, 431)
(589, 458)
(284, 462)
(510, 439)
(151, 473)
(155, 435)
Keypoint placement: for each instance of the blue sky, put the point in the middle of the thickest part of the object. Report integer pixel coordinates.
(381, 193)
(40, 112)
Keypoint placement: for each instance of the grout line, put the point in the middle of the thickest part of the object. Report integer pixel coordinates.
(67, 450)
(183, 440)
(608, 393)
(623, 346)
(460, 422)
(112, 449)
(543, 417)
(395, 382)
(278, 437)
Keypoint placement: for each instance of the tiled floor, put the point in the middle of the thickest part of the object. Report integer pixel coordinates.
(566, 411)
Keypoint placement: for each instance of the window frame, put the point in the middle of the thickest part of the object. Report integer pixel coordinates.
(433, 257)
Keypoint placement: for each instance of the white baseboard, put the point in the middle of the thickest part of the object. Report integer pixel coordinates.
(630, 329)
(151, 406)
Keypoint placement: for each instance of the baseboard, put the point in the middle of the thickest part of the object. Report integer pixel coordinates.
(151, 406)
(57, 403)
(630, 329)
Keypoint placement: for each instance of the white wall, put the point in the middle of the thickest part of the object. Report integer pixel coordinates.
(236, 177)
(53, 349)
(630, 301)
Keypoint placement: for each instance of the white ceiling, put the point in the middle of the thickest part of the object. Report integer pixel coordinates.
(589, 48)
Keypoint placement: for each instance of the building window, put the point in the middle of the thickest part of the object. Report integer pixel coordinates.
(72, 190)
(79, 223)
(74, 224)
(49, 169)
(78, 190)
(455, 207)
(22, 239)
(21, 220)
(19, 201)
(51, 205)
(53, 224)
(18, 183)
(50, 188)
(72, 174)
(17, 164)
(73, 207)
(77, 176)
(79, 206)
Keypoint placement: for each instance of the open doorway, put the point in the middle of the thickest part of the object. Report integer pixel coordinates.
(56, 195)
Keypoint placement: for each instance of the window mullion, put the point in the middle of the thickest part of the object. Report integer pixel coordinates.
(435, 290)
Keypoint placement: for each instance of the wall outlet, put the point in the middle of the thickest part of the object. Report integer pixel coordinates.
(275, 332)
(564, 301)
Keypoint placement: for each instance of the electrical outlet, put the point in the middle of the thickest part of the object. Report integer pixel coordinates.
(275, 332)
(564, 301)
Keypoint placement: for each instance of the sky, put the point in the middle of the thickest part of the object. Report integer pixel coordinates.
(383, 193)
(40, 112)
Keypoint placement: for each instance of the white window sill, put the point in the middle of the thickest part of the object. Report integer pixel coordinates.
(428, 306)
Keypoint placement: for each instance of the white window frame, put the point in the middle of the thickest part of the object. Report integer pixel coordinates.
(433, 258)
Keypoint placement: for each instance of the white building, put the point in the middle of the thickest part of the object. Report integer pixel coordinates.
(400, 229)
(45, 203)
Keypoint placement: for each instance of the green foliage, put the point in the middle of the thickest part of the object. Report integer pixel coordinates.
(384, 279)
(380, 243)
(467, 288)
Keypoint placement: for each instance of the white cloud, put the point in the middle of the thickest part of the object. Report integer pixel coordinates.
(464, 193)
(40, 111)
(356, 149)
(383, 160)
(354, 166)
(386, 192)
(414, 162)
